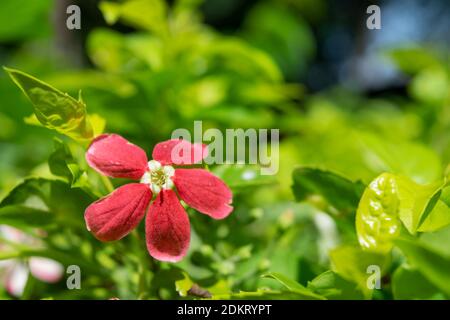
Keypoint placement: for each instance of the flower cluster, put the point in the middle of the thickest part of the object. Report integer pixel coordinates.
(165, 179)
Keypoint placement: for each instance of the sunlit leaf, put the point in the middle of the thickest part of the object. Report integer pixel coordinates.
(98, 123)
(352, 264)
(184, 285)
(53, 108)
(413, 160)
(413, 59)
(388, 200)
(438, 218)
(144, 14)
(431, 86)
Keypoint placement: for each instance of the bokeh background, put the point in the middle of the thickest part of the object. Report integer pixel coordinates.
(346, 99)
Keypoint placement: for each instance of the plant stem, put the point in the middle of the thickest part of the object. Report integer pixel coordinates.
(107, 183)
(144, 266)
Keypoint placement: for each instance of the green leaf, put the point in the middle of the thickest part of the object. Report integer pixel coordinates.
(23, 217)
(431, 86)
(106, 50)
(55, 196)
(340, 192)
(62, 163)
(377, 221)
(332, 286)
(183, 285)
(54, 109)
(408, 284)
(98, 123)
(143, 14)
(438, 218)
(413, 160)
(27, 188)
(291, 285)
(413, 59)
(433, 266)
(388, 200)
(262, 294)
(285, 281)
(415, 201)
(352, 263)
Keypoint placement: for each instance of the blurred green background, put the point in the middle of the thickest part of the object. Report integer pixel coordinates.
(350, 103)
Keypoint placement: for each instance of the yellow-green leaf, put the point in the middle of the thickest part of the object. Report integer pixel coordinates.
(292, 286)
(352, 263)
(143, 14)
(439, 216)
(377, 222)
(388, 201)
(54, 109)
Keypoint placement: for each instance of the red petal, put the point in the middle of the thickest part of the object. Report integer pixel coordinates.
(167, 228)
(115, 215)
(179, 152)
(114, 156)
(204, 192)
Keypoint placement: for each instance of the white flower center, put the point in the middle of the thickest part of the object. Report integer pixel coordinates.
(158, 177)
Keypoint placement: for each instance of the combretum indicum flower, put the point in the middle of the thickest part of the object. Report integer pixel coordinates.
(167, 225)
(14, 273)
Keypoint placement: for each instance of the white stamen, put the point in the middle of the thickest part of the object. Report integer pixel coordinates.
(154, 165)
(158, 177)
(146, 178)
(169, 171)
(155, 188)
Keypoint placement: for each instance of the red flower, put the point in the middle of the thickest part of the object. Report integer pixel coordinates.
(167, 225)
